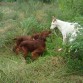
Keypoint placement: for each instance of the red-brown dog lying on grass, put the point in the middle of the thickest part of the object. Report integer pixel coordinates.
(34, 44)
(36, 47)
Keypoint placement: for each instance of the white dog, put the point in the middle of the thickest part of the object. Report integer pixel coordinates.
(69, 30)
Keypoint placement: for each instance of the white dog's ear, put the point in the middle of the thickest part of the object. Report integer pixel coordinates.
(53, 18)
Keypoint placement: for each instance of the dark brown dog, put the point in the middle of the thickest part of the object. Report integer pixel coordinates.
(20, 39)
(34, 44)
(36, 47)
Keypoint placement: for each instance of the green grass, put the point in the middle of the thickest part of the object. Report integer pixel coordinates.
(44, 70)
(20, 18)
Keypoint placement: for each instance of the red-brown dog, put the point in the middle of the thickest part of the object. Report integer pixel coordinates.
(34, 44)
(36, 47)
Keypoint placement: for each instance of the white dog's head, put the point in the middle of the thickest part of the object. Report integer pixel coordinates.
(53, 23)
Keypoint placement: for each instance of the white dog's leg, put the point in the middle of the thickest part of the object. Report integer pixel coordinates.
(64, 39)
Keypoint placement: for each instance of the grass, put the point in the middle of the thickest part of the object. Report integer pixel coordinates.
(44, 70)
(25, 19)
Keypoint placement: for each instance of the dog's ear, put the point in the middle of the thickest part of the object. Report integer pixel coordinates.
(53, 18)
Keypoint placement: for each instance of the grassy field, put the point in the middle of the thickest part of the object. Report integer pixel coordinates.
(26, 18)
